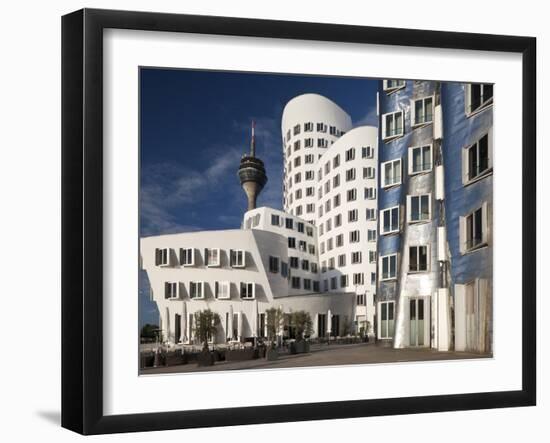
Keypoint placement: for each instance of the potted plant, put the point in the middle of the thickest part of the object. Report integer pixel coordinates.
(206, 326)
(302, 324)
(274, 319)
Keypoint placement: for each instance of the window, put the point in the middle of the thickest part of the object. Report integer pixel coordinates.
(308, 127)
(275, 220)
(327, 167)
(212, 257)
(336, 181)
(373, 278)
(223, 290)
(300, 227)
(327, 186)
(296, 145)
(332, 130)
(294, 262)
(391, 173)
(418, 258)
(353, 215)
(337, 220)
(350, 174)
(297, 161)
(331, 264)
(336, 161)
(367, 152)
(299, 209)
(321, 229)
(162, 257)
(284, 269)
(307, 284)
(288, 135)
(292, 242)
(389, 266)
(327, 206)
(302, 245)
(309, 158)
(352, 195)
(329, 244)
(371, 235)
(342, 260)
(296, 129)
(305, 265)
(474, 229)
(336, 200)
(387, 309)
(295, 282)
(392, 125)
(368, 172)
(297, 178)
(478, 96)
(339, 240)
(393, 85)
(310, 191)
(356, 257)
(333, 283)
(321, 127)
(273, 264)
(171, 290)
(309, 231)
(196, 289)
(325, 285)
(310, 208)
(308, 143)
(322, 143)
(187, 256)
(354, 236)
(422, 111)
(237, 258)
(316, 287)
(248, 290)
(372, 256)
(419, 207)
(370, 193)
(343, 281)
(477, 159)
(298, 194)
(371, 214)
(350, 154)
(289, 223)
(311, 249)
(389, 222)
(358, 278)
(314, 268)
(420, 159)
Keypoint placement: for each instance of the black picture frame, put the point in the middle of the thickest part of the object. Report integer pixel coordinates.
(82, 215)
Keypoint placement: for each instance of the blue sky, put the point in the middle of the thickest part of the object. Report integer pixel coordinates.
(194, 128)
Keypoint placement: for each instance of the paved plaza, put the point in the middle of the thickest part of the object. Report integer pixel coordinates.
(326, 355)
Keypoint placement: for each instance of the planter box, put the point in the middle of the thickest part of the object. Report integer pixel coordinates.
(271, 354)
(147, 360)
(299, 347)
(205, 359)
(174, 358)
(240, 354)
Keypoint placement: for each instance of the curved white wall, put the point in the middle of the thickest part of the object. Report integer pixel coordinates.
(305, 109)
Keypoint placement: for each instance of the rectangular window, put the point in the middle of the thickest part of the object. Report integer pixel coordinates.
(297, 161)
(339, 240)
(477, 159)
(327, 206)
(422, 111)
(292, 242)
(295, 282)
(308, 143)
(305, 265)
(316, 287)
(297, 145)
(162, 257)
(372, 256)
(478, 95)
(389, 220)
(358, 278)
(350, 154)
(299, 209)
(289, 223)
(337, 219)
(322, 143)
(329, 244)
(294, 262)
(309, 158)
(308, 127)
(336, 181)
(336, 200)
(356, 257)
(420, 159)
(392, 125)
(238, 258)
(321, 127)
(223, 290)
(311, 249)
(314, 268)
(368, 172)
(342, 260)
(336, 161)
(393, 85)
(171, 290)
(391, 173)
(296, 130)
(300, 227)
(371, 214)
(418, 258)
(352, 195)
(367, 152)
(371, 235)
(298, 194)
(302, 245)
(343, 281)
(387, 314)
(307, 284)
(333, 283)
(196, 289)
(474, 229)
(327, 187)
(354, 236)
(332, 130)
(373, 278)
(274, 264)
(350, 174)
(389, 266)
(331, 264)
(275, 220)
(284, 269)
(248, 290)
(212, 257)
(310, 191)
(309, 231)
(353, 215)
(187, 256)
(419, 207)
(297, 178)
(370, 193)
(310, 208)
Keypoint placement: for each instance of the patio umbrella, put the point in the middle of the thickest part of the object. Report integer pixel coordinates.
(329, 322)
(240, 325)
(229, 325)
(184, 322)
(167, 338)
(254, 325)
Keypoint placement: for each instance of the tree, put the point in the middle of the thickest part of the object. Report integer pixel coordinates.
(149, 331)
(206, 326)
(301, 322)
(274, 320)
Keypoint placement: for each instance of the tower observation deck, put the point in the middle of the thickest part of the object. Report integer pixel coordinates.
(252, 174)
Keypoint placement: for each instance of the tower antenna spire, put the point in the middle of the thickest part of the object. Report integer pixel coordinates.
(253, 141)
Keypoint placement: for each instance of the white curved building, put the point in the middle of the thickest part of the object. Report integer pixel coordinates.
(310, 125)
(346, 217)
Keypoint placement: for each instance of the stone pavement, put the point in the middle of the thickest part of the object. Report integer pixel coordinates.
(323, 355)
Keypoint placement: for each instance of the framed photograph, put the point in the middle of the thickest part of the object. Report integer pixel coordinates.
(269, 221)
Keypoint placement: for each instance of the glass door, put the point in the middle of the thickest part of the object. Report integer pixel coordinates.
(416, 316)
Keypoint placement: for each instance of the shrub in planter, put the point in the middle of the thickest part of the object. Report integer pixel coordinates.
(205, 358)
(240, 354)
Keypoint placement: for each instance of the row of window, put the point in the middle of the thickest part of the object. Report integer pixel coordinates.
(308, 143)
(418, 262)
(419, 209)
(197, 290)
(309, 159)
(338, 240)
(353, 216)
(190, 256)
(356, 258)
(289, 223)
(310, 127)
(343, 281)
